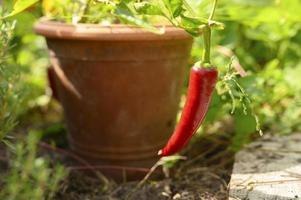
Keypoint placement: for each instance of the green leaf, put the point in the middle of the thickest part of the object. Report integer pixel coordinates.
(139, 22)
(193, 22)
(187, 5)
(124, 9)
(245, 125)
(19, 6)
(124, 13)
(170, 161)
(148, 9)
(192, 25)
(175, 7)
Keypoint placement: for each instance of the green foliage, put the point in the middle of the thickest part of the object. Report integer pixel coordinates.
(26, 62)
(30, 176)
(10, 89)
(265, 37)
(74, 11)
(19, 6)
(139, 13)
(169, 161)
(125, 13)
(95, 11)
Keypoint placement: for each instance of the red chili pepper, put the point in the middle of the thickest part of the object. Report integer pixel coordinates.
(201, 85)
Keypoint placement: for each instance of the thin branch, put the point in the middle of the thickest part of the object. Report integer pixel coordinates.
(77, 158)
(135, 169)
(213, 10)
(154, 167)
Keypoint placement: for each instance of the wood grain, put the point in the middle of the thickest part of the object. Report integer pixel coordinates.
(268, 169)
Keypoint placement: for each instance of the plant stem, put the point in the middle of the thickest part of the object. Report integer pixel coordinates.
(151, 171)
(213, 10)
(189, 8)
(207, 45)
(78, 159)
(207, 36)
(85, 12)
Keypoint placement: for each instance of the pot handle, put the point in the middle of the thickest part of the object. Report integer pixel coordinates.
(51, 81)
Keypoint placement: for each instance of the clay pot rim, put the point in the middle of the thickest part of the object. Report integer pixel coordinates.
(96, 32)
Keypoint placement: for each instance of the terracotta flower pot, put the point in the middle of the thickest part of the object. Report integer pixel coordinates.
(119, 86)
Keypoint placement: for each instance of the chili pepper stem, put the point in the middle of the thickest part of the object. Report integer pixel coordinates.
(207, 38)
(207, 44)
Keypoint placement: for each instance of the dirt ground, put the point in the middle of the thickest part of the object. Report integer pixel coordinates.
(204, 174)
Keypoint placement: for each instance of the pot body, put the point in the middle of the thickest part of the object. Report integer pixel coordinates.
(119, 86)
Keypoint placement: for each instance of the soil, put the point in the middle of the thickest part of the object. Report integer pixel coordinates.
(204, 174)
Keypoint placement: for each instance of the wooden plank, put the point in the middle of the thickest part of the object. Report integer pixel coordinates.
(269, 169)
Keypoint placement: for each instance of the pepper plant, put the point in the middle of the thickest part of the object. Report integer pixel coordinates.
(136, 12)
(145, 14)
